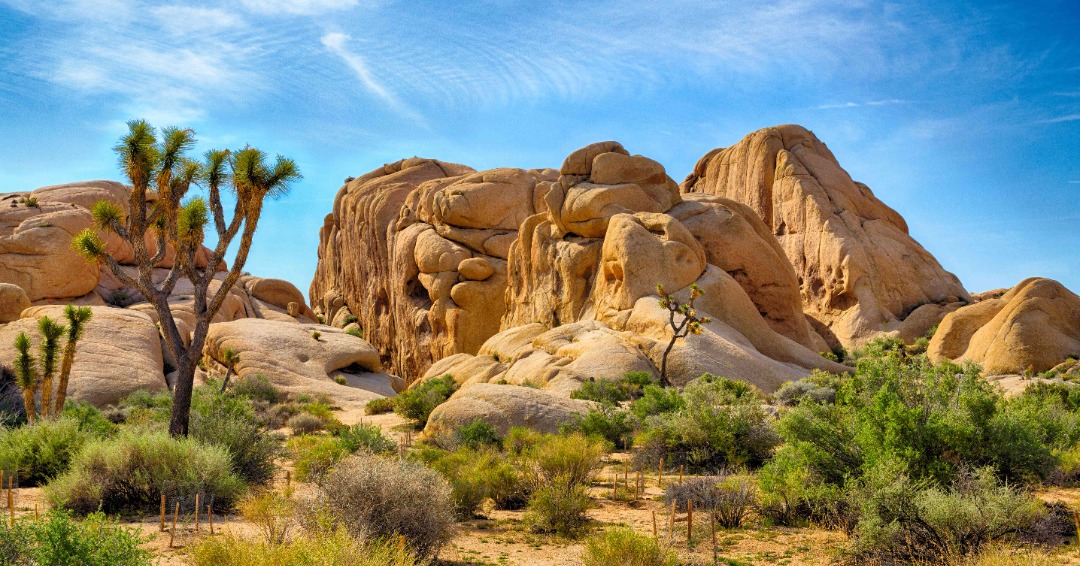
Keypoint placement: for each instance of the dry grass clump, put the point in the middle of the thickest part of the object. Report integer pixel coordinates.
(314, 549)
(376, 497)
(305, 423)
(623, 546)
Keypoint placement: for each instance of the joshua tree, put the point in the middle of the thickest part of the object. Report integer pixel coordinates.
(77, 318)
(171, 221)
(230, 357)
(26, 375)
(690, 323)
(50, 346)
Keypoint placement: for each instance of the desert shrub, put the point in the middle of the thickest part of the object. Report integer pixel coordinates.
(273, 512)
(518, 438)
(792, 392)
(722, 425)
(314, 456)
(132, 470)
(613, 425)
(571, 458)
(229, 420)
(375, 498)
(655, 400)
(143, 408)
(477, 475)
(58, 540)
(614, 391)
(41, 451)
(324, 411)
(365, 437)
(476, 434)
(792, 493)
(911, 521)
(379, 406)
(305, 423)
(312, 549)
(730, 497)
(625, 547)
(559, 507)
(258, 388)
(417, 402)
(90, 418)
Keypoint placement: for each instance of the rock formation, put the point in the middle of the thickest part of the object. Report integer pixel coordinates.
(1034, 326)
(505, 406)
(122, 350)
(859, 271)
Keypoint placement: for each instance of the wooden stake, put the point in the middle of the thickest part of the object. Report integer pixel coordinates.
(660, 476)
(680, 473)
(689, 521)
(626, 475)
(172, 533)
(162, 511)
(35, 512)
(638, 486)
(210, 516)
(196, 512)
(712, 529)
(615, 484)
(11, 499)
(288, 478)
(654, 533)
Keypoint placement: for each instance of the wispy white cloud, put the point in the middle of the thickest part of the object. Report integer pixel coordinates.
(335, 42)
(862, 104)
(1077, 182)
(1060, 119)
(184, 20)
(297, 7)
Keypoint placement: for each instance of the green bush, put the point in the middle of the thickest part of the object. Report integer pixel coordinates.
(518, 438)
(132, 470)
(730, 497)
(559, 507)
(369, 438)
(305, 423)
(315, 548)
(614, 391)
(572, 459)
(314, 456)
(377, 498)
(476, 434)
(58, 540)
(656, 400)
(417, 402)
(477, 475)
(228, 420)
(258, 388)
(379, 406)
(625, 547)
(41, 451)
(90, 418)
(722, 425)
(791, 392)
(613, 425)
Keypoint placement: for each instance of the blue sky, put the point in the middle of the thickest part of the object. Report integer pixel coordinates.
(963, 116)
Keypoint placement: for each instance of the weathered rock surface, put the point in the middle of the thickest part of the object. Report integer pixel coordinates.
(291, 357)
(13, 301)
(504, 406)
(859, 270)
(1035, 325)
(118, 354)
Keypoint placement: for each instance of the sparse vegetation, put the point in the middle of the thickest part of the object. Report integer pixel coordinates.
(314, 548)
(625, 547)
(305, 423)
(417, 402)
(689, 324)
(379, 406)
(60, 540)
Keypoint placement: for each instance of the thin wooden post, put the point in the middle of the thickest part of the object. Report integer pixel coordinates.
(196, 512)
(35, 512)
(11, 499)
(626, 475)
(163, 511)
(172, 533)
(680, 473)
(638, 486)
(210, 517)
(615, 485)
(712, 529)
(660, 476)
(288, 478)
(654, 533)
(689, 522)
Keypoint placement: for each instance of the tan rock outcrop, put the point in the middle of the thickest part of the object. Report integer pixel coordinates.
(13, 301)
(1035, 325)
(118, 354)
(504, 406)
(859, 270)
(37, 254)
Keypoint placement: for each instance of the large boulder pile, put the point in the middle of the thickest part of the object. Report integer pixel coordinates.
(1033, 327)
(267, 321)
(859, 271)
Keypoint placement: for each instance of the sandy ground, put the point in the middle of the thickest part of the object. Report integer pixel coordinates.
(502, 538)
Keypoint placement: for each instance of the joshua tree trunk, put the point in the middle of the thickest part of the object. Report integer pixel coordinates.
(65, 372)
(46, 397)
(28, 404)
(225, 383)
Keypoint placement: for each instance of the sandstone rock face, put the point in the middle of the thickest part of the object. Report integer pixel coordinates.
(118, 354)
(13, 301)
(1035, 325)
(291, 358)
(504, 406)
(858, 269)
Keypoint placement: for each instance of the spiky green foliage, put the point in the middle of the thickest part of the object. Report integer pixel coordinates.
(107, 215)
(690, 322)
(89, 245)
(192, 218)
(77, 317)
(50, 347)
(26, 374)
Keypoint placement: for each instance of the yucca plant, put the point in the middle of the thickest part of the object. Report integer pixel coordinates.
(50, 346)
(26, 374)
(161, 163)
(77, 318)
(230, 357)
(690, 323)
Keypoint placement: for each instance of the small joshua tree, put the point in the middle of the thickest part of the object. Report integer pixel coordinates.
(50, 347)
(230, 357)
(77, 318)
(26, 375)
(690, 323)
(171, 221)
